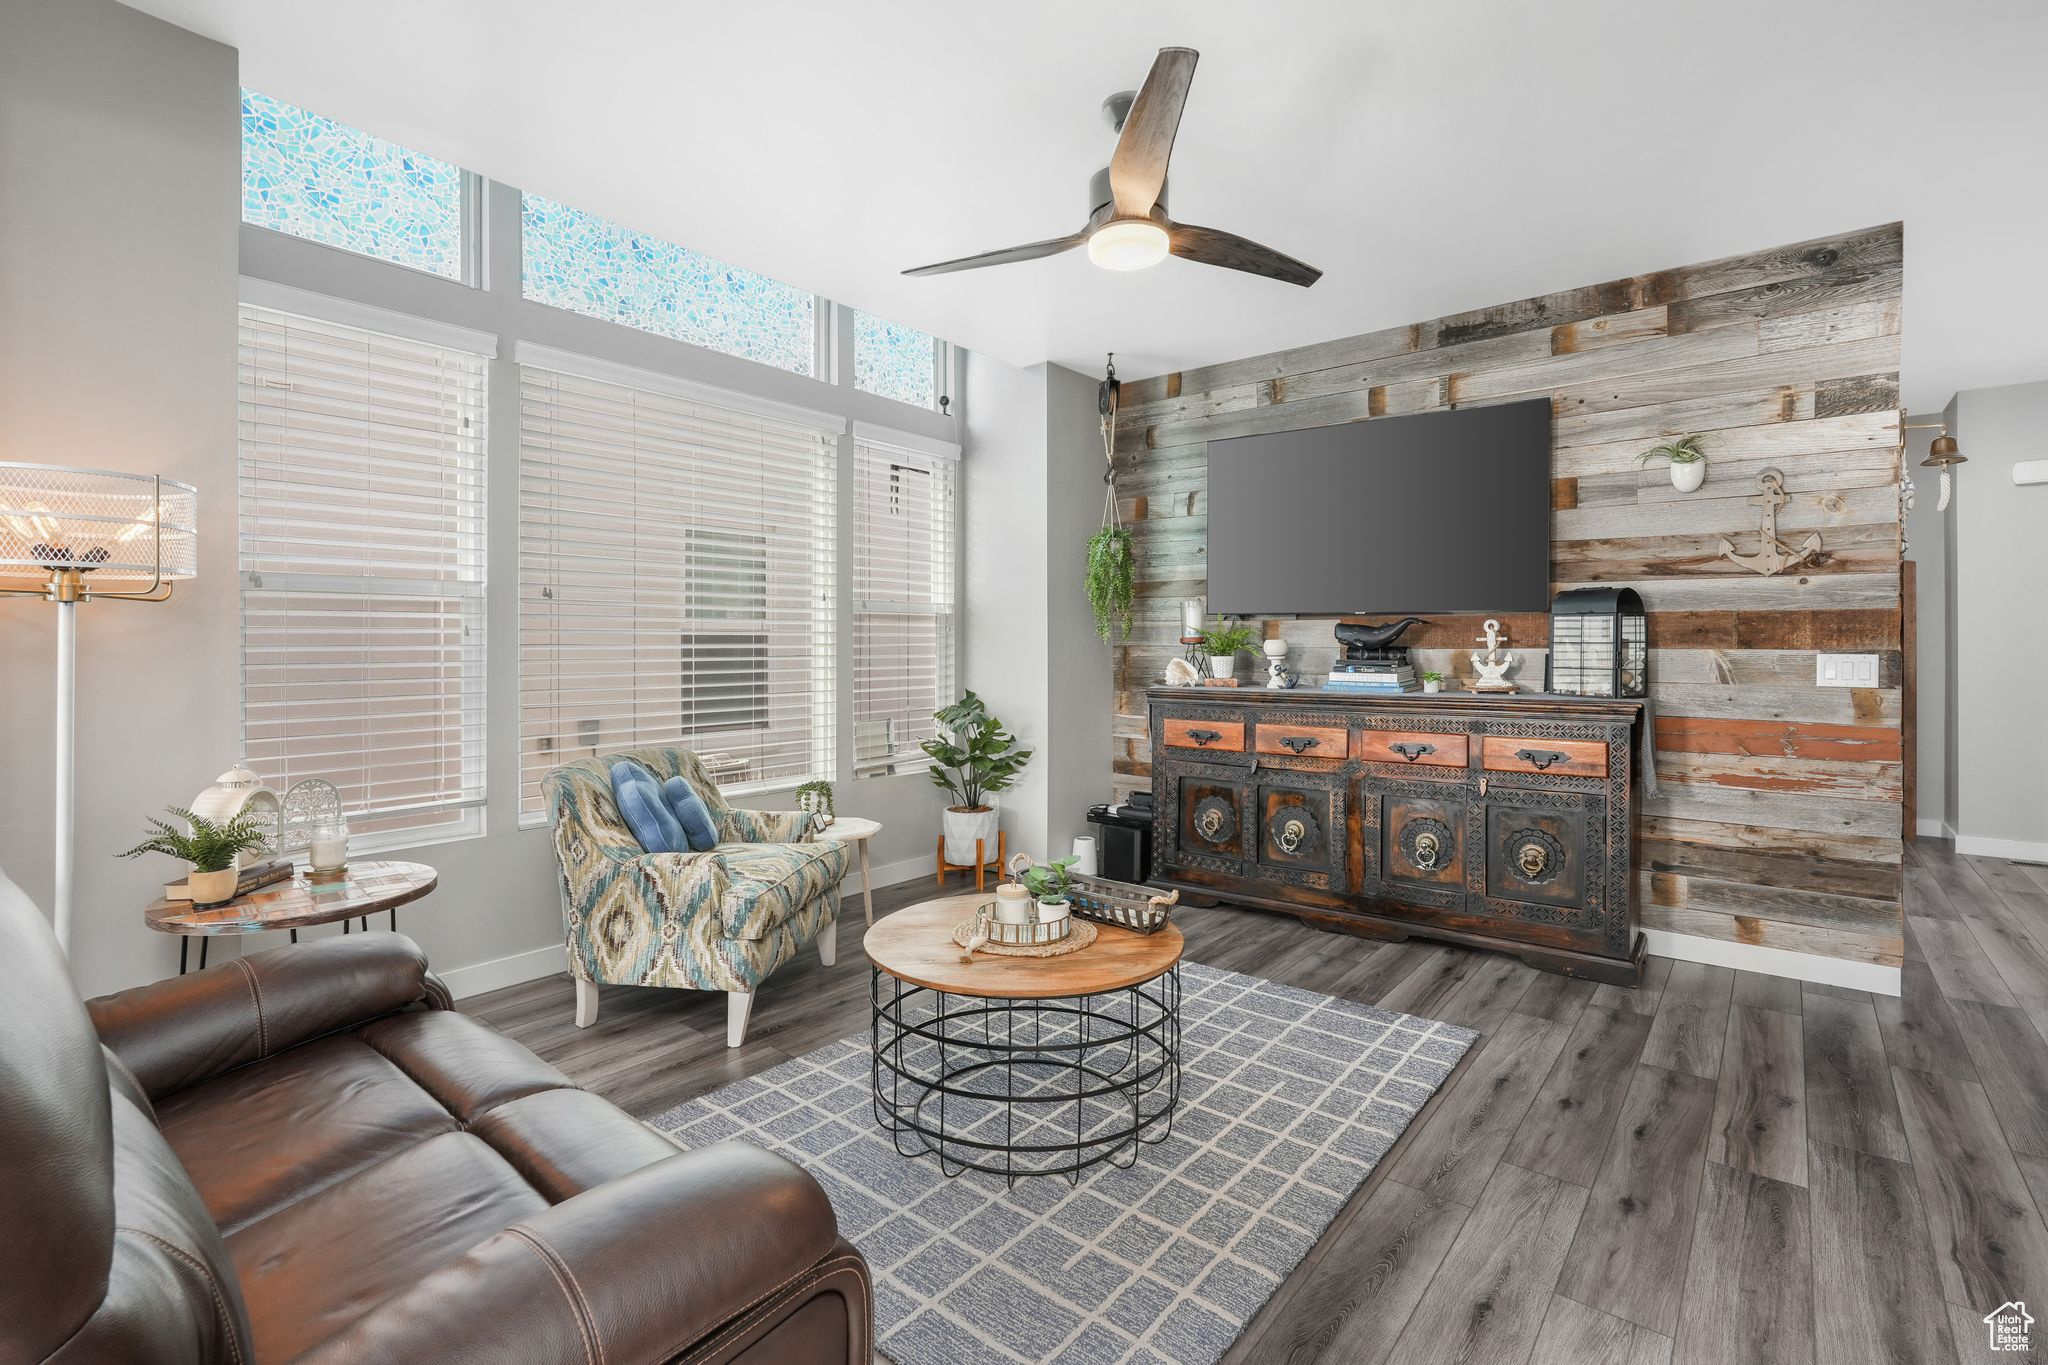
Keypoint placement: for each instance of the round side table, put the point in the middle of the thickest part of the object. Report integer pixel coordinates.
(852, 829)
(1020, 1066)
(370, 888)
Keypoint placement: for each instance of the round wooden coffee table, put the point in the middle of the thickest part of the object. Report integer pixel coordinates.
(1020, 1066)
(370, 888)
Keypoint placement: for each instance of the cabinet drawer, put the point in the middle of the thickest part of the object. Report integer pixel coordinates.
(1226, 736)
(1301, 741)
(1557, 757)
(1396, 746)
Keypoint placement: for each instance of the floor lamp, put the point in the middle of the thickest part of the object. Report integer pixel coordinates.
(88, 534)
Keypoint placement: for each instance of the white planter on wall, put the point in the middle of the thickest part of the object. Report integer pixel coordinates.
(1687, 478)
(963, 827)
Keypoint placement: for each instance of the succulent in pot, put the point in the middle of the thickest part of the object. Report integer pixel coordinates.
(1048, 883)
(1687, 459)
(974, 759)
(1432, 682)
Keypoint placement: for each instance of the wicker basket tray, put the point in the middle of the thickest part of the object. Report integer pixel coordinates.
(1137, 908)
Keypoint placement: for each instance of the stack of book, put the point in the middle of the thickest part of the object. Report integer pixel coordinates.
(254, 877)
(1374, 676)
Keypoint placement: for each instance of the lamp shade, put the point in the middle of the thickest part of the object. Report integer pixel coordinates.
(117, 527)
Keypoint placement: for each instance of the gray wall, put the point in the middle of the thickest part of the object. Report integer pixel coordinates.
(2000, 606)
(1034, 496)
(119, 192)
(1927, 547)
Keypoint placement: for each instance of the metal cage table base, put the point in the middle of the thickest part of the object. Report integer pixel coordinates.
(1014, 1087)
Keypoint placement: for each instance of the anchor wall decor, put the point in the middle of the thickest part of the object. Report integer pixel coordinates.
(1773, 555)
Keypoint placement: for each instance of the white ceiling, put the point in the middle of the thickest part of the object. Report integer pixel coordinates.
(1429, 157)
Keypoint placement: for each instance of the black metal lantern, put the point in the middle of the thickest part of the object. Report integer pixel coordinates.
(1599, 644)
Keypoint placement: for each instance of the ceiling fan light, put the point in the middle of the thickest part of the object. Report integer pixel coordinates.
(1128, 244)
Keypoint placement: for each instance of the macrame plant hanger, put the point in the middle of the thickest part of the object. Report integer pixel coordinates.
(1107, 397)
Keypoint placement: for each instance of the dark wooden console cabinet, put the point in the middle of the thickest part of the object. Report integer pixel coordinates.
(1491, 820)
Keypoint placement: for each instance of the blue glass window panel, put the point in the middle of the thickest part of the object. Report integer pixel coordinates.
(590, 265)
(895, 361)
(315, 178)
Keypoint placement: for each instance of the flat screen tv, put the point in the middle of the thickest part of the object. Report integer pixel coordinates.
(1439, 512)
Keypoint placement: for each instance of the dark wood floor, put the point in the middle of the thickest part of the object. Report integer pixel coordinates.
(1718, 1167)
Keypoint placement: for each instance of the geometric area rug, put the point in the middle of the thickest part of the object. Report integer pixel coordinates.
(1288, 1100)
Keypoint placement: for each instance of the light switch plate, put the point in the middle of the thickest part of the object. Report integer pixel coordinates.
(1845, 670)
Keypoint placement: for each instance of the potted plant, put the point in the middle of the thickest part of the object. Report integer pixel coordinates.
(1432, 682)
(1223, 644)
(211, 849)
(973, 760)
(1688, 462)
(1112, 578)
(1047, 883)
(815, 799)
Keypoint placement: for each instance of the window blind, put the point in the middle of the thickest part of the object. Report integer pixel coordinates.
(676, 582)
(361, 489)
(904, 552)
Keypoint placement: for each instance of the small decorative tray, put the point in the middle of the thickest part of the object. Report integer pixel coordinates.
(1024, 935)
(1137, 908)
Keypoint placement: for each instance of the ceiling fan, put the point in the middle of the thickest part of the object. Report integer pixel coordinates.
(1127, 227)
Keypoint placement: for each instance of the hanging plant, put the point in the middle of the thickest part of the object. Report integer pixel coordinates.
(1112, 552)
(1112, 578)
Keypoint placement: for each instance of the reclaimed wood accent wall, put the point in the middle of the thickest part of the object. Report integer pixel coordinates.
(1777, 815)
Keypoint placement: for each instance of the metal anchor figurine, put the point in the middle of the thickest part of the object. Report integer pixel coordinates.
(1773, 556)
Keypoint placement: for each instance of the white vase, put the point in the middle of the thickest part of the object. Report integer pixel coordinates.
(1687, 478)
(963, 827)
(1222, 665)
(211, 888)
(1432, 684)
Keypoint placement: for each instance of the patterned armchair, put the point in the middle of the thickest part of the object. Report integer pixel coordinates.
(720, 920)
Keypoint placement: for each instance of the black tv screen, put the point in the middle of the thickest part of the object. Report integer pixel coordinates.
(1438, 512)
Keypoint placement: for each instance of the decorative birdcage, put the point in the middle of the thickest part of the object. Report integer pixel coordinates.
(1599, 644)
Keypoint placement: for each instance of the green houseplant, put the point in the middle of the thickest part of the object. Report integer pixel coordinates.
(211, 848)
(1688, 461)
(974, 759)
(1223, 644)
(815, 796)
(1432, 682)
(1112, 579)
(1048, 882)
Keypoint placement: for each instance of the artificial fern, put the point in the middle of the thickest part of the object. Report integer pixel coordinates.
(1112, 578)
(209, 847)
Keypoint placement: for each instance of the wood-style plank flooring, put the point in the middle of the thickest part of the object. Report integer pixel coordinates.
(1717, 1167)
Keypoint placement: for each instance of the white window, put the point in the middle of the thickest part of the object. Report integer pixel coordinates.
(361, 479)
(676, 577)
(904, 552)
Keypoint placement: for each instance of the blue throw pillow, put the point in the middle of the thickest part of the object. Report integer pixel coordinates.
(646, 814)
(691, 813)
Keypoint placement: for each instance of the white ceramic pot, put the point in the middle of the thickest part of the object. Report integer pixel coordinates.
(211, 888)
(963, 827)
(1222, 665)
(1053, 912)
(1432, 684)
(1687, 478)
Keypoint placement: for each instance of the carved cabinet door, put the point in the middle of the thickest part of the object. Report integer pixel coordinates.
(1422, 840)
(1213, 814)
(1301, 826)
(1542, 850)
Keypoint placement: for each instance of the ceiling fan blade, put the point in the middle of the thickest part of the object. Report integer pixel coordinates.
(1232, 252)
(1030, 251)
(1137, 172)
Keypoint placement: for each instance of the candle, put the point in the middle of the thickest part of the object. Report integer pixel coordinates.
(328, 849)
(1191, 610)
(1013, 904)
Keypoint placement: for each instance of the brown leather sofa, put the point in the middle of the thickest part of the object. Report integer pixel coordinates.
(306, 1154)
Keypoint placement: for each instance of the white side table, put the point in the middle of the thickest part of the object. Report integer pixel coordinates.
(853, 830)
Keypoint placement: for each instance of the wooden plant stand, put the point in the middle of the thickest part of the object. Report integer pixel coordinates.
(981, 863)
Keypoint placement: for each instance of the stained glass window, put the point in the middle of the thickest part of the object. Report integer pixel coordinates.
(591, 265)
(315, 178)
(894, 361)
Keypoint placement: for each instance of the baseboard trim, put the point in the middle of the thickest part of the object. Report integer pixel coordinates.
(1751, 957)
(1934, 829)
(500, 972)
(2023, 850)
(891, 874)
